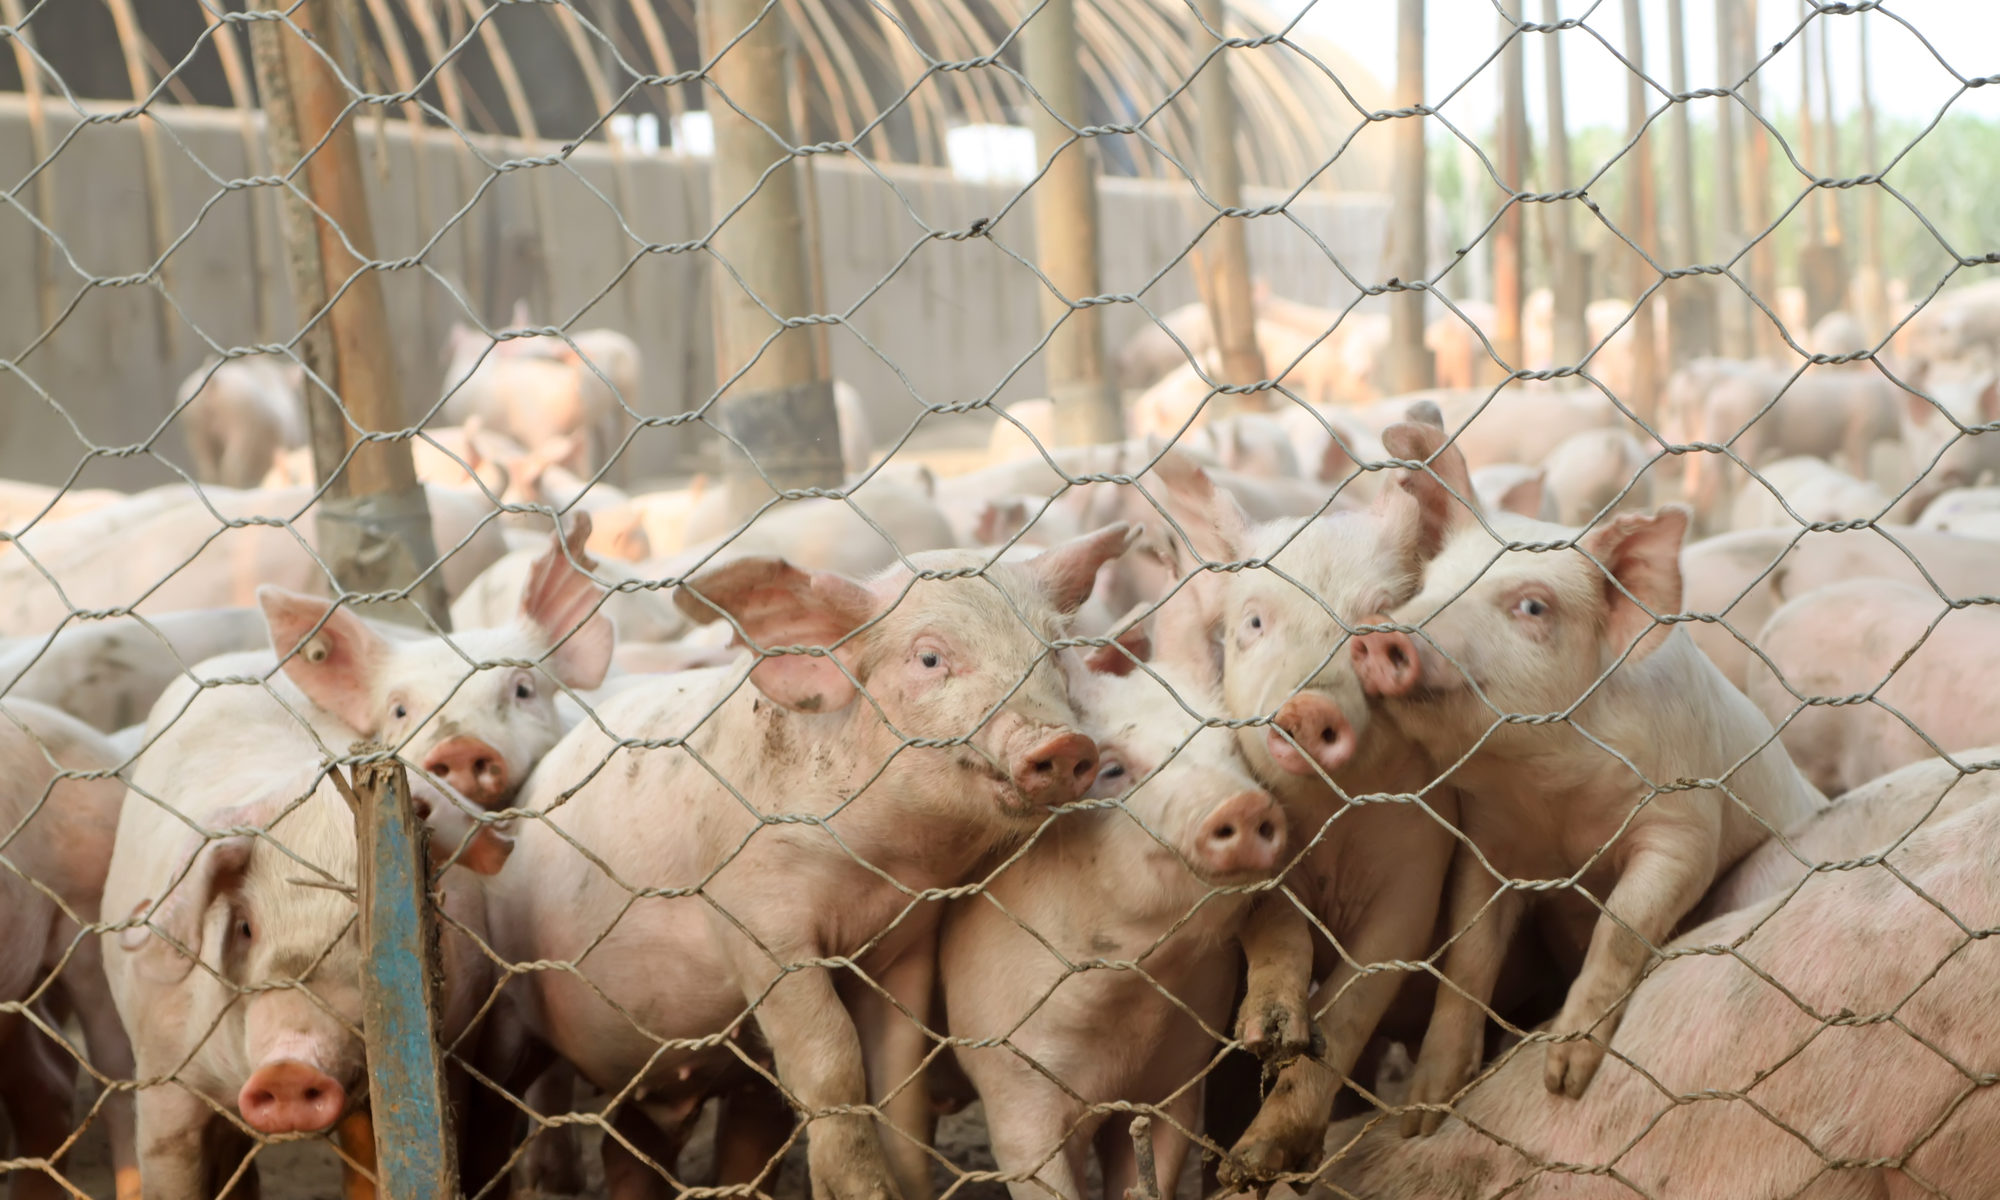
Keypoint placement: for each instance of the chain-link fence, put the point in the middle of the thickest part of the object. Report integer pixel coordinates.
(1124, 597)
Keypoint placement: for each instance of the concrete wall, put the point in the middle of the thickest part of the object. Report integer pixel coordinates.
(596, 241)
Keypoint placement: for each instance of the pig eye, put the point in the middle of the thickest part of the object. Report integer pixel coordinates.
(1112, 780)
(399, 712)
(930, 659)
(243, 930)
(523, 692)
(1531, 606)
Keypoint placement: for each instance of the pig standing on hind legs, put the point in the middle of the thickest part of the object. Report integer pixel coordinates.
(1546, 620)
(1372, 874)
(837, 809)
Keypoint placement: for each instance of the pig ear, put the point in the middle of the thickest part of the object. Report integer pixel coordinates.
(1641, 556)
(1524, 497)
(1335, 462)
(167, 945)
(1214, 521)
(621, 533)
(1000, 520)
(1442, 488)
(774, 603)
(561, 600)
(1129, 646)
(336, 664)
(1425, 412)
(1068, 572)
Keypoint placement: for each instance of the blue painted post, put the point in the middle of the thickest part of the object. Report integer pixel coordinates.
(399, 941)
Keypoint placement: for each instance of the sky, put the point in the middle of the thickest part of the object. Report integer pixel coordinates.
(1461, 36)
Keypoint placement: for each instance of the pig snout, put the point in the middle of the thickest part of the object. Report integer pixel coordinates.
(470, 767)
(1320, 737)
(1245, 835)
(1057, 771)
(288, 1096)
(1387, 662)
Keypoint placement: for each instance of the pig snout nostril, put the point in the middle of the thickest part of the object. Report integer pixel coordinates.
(1267, 831)
(1084, 766)
(1224, 833)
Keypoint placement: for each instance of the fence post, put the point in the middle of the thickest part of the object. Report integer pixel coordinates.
(1732, 308)
(1569, 267)
(780, 408)
(1508, 261)
(415, 1155)
(1641, 223)
(1086, 405)
(1874, 294)
(372, 524)
(1409, 232)
(1756, 184)
(1690, 299)
(1822, 265)
(1231, 308)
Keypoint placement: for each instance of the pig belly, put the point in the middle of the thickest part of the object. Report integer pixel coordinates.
(657, 976)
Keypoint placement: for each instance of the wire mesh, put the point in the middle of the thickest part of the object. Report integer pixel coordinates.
(1328, 787)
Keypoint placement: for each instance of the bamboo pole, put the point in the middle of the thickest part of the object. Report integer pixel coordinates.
(1079, 383)
(1231, 310)
(1757, 186)
(1508, 262)
(1409, 359)
(780, 407)
(1641, 223)
(372, 522)
(1690, 300)
(1569, 267)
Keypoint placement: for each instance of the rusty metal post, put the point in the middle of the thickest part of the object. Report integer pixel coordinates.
(1409, 232)
(1641, 224)
(1874, 293)
(780, 407)
(372, 522)
(1079, 384)
(1690, 300)
(1569, 267)
(1508, 259)
(1231, 310)
(1732, 311)
(415, 1155)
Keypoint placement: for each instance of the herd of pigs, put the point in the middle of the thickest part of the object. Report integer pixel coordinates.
(1086, 763)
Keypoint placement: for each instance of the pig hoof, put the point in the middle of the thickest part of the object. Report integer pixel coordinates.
(1261, 1157)
(1276, 1033)
(1571, 1066)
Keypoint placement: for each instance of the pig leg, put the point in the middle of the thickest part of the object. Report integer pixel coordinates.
(627, 1173)
(552, 1163)
(36, 1085)
(110, 1052)
(1665, 875)
(1395, 926)
(174, 1142)
(1029, 1131)
(752, 1129)
(894, 1044)
(1274, 1020)
(1454, 1045)
(817, 1051)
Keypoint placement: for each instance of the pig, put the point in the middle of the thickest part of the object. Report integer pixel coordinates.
(859, 816)
(235, 853)
(1960, 326)
(1517, 616)
(879, 520)
(1944, 446)
(1972, 511)
(59, 805)
(1162, 343)
(1511, 487)
(1806, 491)
(1522, 425)
(238, 414)
(22, 504)
(108, 673)
(1875, 818)
(1374, 874)
(1742, 578)
(1755, 1056)
(169, 550)
(1921, 665)
(1596, 474)
(1770, 414)
(537, 390)
(1458, 343)
(1186, 831)
(1838, 335)
(639, 613)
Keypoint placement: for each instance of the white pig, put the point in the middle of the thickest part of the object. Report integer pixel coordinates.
(60, 817)
(239, 415)
(1121, 991)
(786, 820)
(1519, 617)
(108, 673)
